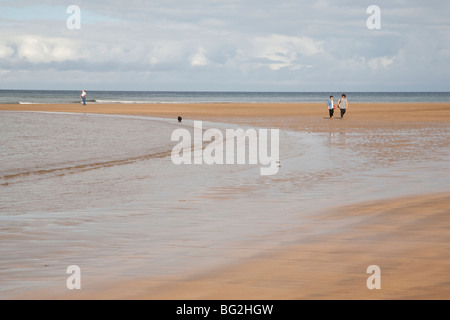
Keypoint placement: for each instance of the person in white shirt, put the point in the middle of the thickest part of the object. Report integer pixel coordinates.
(83, 97)
(331, 107)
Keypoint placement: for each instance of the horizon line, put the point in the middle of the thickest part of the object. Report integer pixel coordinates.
(225, 91)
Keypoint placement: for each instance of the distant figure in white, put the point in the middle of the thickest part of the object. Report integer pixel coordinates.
(83, 97)
(214, 152)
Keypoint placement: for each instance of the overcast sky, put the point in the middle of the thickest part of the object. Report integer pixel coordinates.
(225, 45)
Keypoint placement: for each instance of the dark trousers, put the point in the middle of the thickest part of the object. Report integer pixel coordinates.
(343, 112)
(84, 101)
(331, 112)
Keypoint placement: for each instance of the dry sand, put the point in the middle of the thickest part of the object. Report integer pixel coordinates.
(408, 238)
(302, 116)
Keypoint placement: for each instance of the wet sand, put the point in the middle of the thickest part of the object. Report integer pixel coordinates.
(408, 237)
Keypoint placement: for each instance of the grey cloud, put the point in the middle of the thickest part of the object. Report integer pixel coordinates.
(203, 45)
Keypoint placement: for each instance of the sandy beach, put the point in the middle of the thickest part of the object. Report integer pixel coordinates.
(327, 258)
(303, 115)
(407, 238)
(307, 117)
(184, 150)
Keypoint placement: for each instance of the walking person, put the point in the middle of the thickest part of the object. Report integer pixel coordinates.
(343, 105)
(83, 97)
(331, 107)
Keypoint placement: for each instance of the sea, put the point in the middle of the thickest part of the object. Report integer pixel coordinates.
(101, 191)
(52, 96)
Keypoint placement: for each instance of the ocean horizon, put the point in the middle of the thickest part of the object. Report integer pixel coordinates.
(136, 97)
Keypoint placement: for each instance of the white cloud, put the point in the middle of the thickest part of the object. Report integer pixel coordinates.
(38, 49)
(199, 58)
(243, 44)
(5, 51)
(381, 62)
(285, 51)
(166, 52)
(385, 62)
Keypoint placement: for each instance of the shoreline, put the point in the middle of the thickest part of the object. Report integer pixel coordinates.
(215, 104)
(410, 112)
(297, 117)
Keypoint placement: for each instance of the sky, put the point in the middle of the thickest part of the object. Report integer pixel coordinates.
(225, 45)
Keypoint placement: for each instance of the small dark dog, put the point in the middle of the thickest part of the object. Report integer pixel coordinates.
(180, 119)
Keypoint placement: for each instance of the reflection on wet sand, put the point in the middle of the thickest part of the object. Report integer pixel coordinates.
(150, 222)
